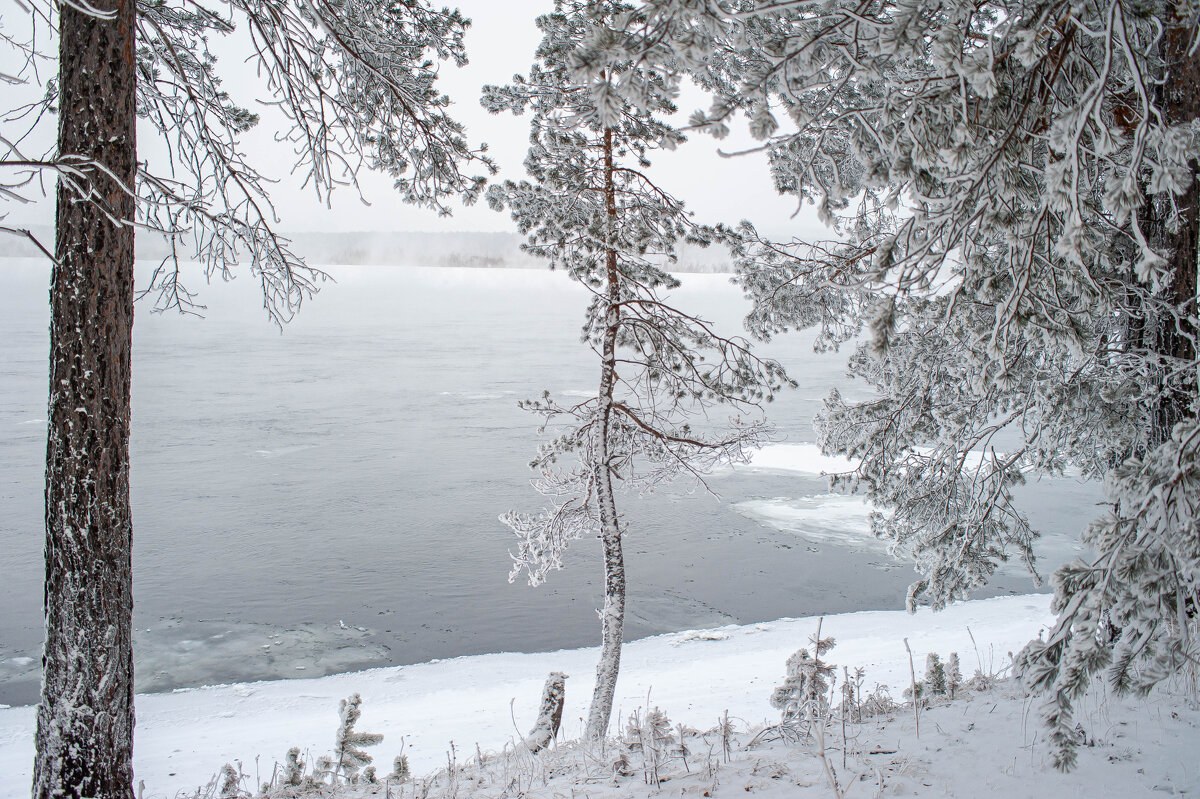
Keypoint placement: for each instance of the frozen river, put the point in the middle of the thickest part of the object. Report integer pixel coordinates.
(326, 498)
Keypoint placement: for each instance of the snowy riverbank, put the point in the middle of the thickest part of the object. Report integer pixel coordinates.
(184, 737)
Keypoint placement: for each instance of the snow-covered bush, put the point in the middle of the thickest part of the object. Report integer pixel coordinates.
(231, 782)
(348, 757)
(935, 675)
(400, 770)
(804, 694)
(941, 680)
(293, 768)
(653, 742)
(348, 753)
(954, 679)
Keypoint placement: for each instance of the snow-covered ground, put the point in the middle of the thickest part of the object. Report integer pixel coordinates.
(982, 744)
(184, 737)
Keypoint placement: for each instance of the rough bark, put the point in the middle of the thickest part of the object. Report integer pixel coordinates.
(1176, 340)
(85, 719)
(612, 616)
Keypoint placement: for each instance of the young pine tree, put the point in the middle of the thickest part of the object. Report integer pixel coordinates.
(293, 768)
(592, 210)
(935, 675)
(349, 757)
(804, 693)
(400, 771)
(954, 678)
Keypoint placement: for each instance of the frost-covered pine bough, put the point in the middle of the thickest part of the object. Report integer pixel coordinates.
(1013, 188)
(592, 210)
(354, 79)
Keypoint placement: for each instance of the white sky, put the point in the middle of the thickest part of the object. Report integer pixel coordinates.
(501, 42)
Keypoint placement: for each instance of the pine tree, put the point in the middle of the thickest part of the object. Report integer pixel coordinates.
(355, 81)
(935, 675)
(954, 678)
(593, 211)
(349, 757)
(1014, 185)
(804, 694)
(84, 739)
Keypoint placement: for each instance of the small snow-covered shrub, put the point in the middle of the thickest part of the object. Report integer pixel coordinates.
(917, 693)
(877, 703)
(348, 763)
(348, 754)
(935, 675)
(231, 782)
(293, 768)
(954, 679)
(806, 685)
(943, 679)
(654, 740)
(981, 681)
(400, 771)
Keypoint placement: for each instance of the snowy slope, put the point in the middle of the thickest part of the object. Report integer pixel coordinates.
(182, 738)
(981, 745)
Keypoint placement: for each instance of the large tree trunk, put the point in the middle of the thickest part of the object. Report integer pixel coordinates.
(85, 720)
(612, 616)
(1176, 339)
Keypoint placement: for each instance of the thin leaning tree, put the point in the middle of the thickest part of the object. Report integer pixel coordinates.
(592, 210)
(354, 80)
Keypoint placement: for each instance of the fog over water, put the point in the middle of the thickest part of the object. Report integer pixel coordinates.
(325, 498)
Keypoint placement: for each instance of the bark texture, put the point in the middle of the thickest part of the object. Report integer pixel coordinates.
(85, 719)
(612, 616)
(1181, 103)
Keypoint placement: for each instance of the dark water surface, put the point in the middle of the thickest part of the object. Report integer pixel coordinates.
(326, 498)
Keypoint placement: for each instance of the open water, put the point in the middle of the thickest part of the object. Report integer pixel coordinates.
(326, 498)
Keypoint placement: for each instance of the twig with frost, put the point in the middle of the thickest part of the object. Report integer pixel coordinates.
(912, 673)
(726, 734)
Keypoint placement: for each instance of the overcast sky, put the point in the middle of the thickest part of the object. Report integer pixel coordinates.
(500, 43)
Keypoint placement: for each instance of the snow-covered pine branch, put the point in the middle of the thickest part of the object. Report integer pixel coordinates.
(354, 80)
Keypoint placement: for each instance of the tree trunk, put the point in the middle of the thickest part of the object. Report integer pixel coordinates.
(1181, 104)
(85, 720)
(549, 719)
(612, 617)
